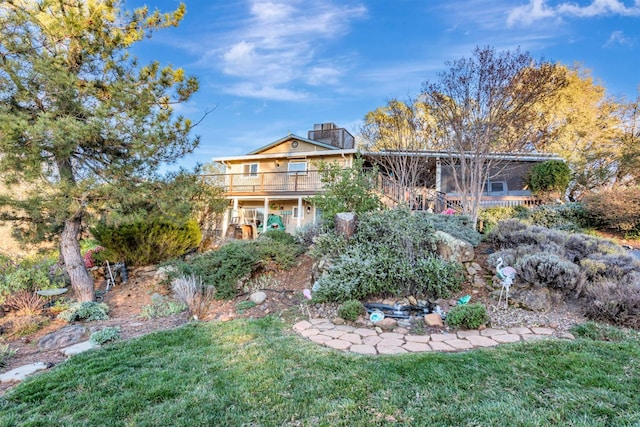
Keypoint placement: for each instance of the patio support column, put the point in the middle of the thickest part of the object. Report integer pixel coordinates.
(225, 221)
(438, 175)
(235, 212)
(314, 213)
(266, 214)
(300, 212)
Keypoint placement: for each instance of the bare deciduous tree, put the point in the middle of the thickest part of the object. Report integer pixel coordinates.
(398, 133)
(485, 105)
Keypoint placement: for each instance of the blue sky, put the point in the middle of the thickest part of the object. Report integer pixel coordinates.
(279, 66)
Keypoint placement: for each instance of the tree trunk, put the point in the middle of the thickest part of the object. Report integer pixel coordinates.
(81, 281)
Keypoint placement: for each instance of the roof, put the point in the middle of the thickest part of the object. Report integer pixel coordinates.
(293, 155)
(525, 157)
(290, 137)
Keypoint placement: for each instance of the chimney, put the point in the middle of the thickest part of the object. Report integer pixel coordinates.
(331, 134)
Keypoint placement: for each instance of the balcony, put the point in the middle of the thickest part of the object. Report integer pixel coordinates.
(268, 183)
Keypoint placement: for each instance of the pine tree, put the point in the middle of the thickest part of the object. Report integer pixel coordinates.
(78, 114)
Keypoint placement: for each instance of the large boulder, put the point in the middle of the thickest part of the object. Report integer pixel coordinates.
(534, 299)
(346, 224)
(62, 337)
(453, 249)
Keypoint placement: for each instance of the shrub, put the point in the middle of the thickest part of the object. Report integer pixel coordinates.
(306, 234)
(279, 254)
(161, 307)
(468, 316)
(399, 229)
(280, 236)
(25, 303)
(111, 333)
(549, 179)
(194, 294)
(346, 190)
(24, 277)
(223, 268)
(458, 226)
(329, 244)
(616, 209)
(614, 303)
(544, 269)
(567, 217)
(88, 311)
(580, 246)
(144, 243)
(350, 310)
(618, 268)
(392, 253)
(227, 267)
(488, 218)
(363, 272)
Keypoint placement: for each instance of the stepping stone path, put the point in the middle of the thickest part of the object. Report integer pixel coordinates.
(20, 373)
(375, 341)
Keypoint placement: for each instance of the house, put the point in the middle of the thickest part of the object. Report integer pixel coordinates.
(270, 187)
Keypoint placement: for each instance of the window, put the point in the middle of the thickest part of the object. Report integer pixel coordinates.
(496, 188)
(297, 213)
(250, 169)
(297, 167)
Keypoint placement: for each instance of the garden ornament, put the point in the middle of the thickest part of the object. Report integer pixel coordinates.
(506, 275)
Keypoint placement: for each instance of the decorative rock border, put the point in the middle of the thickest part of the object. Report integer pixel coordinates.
(371, 342)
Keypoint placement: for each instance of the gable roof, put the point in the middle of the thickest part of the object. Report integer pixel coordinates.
(290, 137)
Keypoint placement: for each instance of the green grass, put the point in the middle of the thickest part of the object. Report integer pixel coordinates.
(255, 373)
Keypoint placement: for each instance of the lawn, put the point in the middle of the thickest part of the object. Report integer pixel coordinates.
(257, 373)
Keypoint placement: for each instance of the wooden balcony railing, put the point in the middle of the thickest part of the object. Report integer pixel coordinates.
(269, 182)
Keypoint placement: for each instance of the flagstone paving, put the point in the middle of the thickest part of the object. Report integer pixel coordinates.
(372, 341)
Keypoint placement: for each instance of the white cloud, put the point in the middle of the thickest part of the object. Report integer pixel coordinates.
(321, 75)
(537, 10)
(280, 44)
(527, 14)
(618, 38)
(260, 91)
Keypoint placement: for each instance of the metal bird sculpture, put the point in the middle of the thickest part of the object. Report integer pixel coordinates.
(506, 275)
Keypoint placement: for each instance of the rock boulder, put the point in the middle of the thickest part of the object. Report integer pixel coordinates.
(453, 249)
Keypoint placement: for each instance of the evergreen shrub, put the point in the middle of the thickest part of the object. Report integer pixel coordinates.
(392, 253)
(88, 311)
(226, 267)
(459, 226)
(467, 316)
(545, 269)
(566, 217)
(103, 336)
(488, 218)
(350, 310)
(148, 242)
(548, 179)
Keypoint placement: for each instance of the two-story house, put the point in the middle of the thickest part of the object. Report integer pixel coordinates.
(270, 186)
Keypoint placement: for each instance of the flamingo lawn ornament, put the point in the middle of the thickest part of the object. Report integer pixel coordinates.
(506, 276)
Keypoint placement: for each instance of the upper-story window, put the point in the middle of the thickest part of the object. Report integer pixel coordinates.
(297, 167)
(250, 169)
